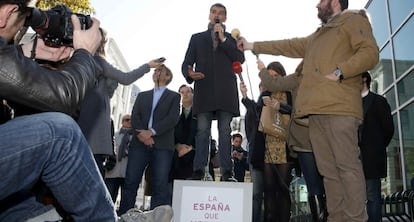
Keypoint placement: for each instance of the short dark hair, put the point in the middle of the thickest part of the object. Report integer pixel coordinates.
(236, 135)
(344, 4)
(21, 3)
(220, 6)
(368, 76)
(185, 85)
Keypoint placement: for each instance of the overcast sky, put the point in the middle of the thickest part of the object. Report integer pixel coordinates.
(147, 29)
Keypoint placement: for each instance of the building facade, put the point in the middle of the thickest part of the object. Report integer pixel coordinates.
(393, 77)
(124, 96)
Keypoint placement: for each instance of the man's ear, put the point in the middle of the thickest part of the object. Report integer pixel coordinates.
(5, 12)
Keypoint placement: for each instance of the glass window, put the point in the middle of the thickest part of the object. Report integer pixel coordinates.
(379, 21)
(382, 76)
(394, 176)
(407, 129)
(404, 48)
(399, 10)
(390, 96)
(405, 88)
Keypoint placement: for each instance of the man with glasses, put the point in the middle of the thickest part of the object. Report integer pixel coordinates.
(47, 147)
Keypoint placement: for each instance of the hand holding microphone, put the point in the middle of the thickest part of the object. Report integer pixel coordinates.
(260, 64)
(216, 33)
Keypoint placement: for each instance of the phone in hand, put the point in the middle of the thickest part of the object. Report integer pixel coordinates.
(265, 98)
(162, 59)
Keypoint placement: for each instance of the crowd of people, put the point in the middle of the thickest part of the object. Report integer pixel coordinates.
(319, 121)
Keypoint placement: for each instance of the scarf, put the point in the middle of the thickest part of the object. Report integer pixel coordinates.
(126, 139)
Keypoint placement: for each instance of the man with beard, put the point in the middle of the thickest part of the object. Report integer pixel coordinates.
(329, 98)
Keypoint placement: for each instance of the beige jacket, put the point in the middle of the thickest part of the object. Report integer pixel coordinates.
(345, 42)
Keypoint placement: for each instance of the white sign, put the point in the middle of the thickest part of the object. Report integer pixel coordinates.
(207, 201)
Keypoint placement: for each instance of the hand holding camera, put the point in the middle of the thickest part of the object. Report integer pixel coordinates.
(89, 39)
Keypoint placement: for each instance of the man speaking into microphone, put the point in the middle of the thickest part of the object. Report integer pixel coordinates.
(208, 63)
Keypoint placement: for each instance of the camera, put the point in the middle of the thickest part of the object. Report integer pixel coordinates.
(55, 25)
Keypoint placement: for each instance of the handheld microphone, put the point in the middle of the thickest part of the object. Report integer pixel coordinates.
(237, 68)
(216, 34)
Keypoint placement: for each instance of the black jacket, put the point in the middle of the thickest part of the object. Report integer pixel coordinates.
(25, 82)
(165, 116)
(375, 133)
(218, 90)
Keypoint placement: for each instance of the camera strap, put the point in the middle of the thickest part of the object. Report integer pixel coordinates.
(33, 52)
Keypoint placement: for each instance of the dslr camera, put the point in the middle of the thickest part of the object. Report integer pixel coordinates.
(55, 25)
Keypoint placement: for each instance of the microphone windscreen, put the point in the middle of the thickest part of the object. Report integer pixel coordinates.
(237, 67)
(235, 33)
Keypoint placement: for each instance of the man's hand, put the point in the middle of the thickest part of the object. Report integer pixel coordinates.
(149, 142)
(145, 136)
(332, 76)
(89, 39)
(218, 28)
(237, 155)
(243, 44)
(195, 75)
(45, 52)
(182, 149)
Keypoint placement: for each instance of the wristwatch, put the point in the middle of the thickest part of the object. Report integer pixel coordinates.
(339, 74)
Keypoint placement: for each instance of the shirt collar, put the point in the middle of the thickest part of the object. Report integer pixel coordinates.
(363, 94)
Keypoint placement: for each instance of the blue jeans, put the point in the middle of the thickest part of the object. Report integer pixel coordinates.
(257, 180)
(138, 160)
(314, 181)
(224, 140)
(374, 199)
(51, 147)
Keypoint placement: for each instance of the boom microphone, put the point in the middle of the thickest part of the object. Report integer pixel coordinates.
(237, 68)
(235, 33)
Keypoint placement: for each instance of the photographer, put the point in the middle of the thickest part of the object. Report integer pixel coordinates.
(48, 146)
(239, 156)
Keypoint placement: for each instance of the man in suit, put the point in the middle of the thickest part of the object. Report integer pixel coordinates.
(375, 134)
(215, 89)
(154, 116)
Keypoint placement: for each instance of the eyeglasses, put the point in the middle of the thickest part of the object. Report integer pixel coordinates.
(125, 120)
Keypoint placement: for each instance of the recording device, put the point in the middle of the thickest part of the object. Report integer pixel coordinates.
(55, 25)
(162, 59)
(237, 68)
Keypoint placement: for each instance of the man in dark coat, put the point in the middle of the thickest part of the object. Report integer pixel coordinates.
(215, 89)
(375, 134)
(184, 134)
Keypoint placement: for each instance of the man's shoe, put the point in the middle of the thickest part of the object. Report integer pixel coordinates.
(228, 177)
(197, 175)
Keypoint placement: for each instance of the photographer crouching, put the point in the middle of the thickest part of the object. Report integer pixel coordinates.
(47, 146)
